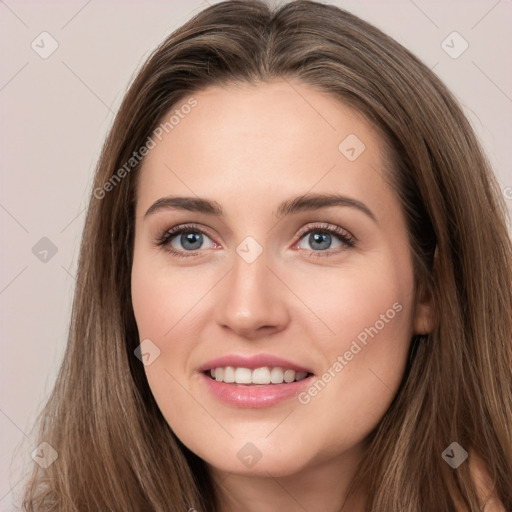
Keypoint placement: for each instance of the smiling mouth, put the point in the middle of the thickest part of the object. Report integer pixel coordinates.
(262, 376)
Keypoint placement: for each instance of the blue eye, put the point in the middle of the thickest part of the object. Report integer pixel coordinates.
(321, 237)
(190, 240)
(192, 236)
(319, 240)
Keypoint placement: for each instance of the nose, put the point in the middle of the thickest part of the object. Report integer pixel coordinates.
(252, 302)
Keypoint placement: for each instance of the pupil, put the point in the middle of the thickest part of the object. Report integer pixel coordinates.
(192, 238)
(319, 237)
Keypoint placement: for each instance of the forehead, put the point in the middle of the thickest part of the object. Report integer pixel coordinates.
(254, 141)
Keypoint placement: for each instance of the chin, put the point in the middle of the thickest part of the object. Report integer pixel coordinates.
(250, 461)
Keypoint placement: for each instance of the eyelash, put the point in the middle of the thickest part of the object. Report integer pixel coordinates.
(323, 228)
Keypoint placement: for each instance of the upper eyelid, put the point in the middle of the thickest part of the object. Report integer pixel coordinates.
(325, 226)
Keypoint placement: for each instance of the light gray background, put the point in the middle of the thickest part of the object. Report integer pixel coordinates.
(55, 113)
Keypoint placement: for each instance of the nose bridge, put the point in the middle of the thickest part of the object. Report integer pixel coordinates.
(252, 296)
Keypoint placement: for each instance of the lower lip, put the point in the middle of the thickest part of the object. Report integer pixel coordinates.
(256, 395)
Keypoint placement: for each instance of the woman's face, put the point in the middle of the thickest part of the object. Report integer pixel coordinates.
(297, 259)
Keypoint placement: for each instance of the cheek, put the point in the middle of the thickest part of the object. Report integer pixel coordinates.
(159, 302)
(163, 302)
(361, 301)
(152, 302)
(371, 311)
(162, 296)
(171, 306)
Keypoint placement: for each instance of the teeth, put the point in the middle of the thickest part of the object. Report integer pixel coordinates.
(229, 374)
(289, 375)
(242, 375)
(276, 376)
(263, 375)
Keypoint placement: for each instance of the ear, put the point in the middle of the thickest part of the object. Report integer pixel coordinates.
(424, 315)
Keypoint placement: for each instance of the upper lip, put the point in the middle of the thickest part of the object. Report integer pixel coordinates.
(252, 362)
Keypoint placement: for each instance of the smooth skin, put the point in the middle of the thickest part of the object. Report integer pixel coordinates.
(249, 148)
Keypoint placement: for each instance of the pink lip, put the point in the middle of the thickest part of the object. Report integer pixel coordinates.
(254, 395)
(252, 362)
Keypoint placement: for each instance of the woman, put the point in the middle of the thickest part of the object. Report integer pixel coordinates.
(257, 370)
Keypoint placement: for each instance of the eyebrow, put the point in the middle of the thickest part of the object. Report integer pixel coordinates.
(306, 202)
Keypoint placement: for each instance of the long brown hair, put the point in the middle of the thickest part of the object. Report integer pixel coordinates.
(115, 449)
